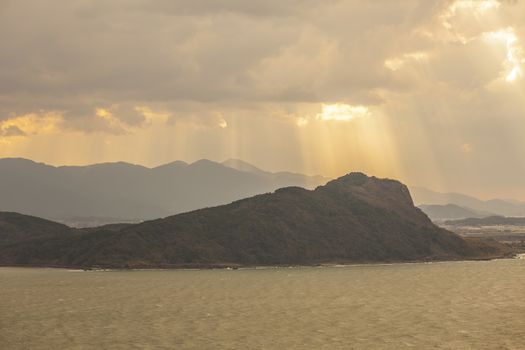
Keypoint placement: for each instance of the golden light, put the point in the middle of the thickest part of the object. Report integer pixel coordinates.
(112, 122)
(514, 73)
(514, 55)
(475, 7)
(33, 123)
(151, 116)
(223, 123)
(103, 113)
(482, 10)
(394, 63)
(397, 62)
(302, 121)
(478, 6)
(342, 112)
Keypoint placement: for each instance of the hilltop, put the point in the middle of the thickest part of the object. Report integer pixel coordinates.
(353, 219)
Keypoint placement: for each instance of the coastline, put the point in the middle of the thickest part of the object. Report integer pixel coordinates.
(226, 266)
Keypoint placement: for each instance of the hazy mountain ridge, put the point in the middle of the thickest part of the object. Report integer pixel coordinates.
(424, 196)
(355, 218)
(450, 211)
(488, 221)
(128, 191)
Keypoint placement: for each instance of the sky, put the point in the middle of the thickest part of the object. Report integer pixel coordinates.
(428, 92)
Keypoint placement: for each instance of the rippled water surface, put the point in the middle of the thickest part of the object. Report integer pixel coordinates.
(461, 305)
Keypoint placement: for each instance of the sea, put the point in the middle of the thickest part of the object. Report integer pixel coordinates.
(448, 305)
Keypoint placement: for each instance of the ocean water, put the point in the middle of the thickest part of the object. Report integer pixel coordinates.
(455, 305)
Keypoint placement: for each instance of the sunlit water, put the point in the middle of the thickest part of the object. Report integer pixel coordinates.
(461, 305)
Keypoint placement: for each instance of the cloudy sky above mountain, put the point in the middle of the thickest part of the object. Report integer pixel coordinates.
(429, 92)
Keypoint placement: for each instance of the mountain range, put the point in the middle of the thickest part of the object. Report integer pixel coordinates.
(94, 195)
(424, 196)
(353, 219)
(450, 212)
(122, 192)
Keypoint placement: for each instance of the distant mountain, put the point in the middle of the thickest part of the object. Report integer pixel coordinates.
(242, 166)
(85, 195)
(283, 178)
(502, 207)
(488, 221)
(355, 218)
(450, 211)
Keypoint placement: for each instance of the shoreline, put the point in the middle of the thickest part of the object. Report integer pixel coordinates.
(202, 267)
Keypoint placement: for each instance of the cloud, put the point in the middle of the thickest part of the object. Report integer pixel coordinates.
(140, 53)
(30, 124)
(342, 112)
(430, 74)
(269, 8)
(11, 130)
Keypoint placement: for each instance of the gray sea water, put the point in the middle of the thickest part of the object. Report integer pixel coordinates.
(456, 305)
